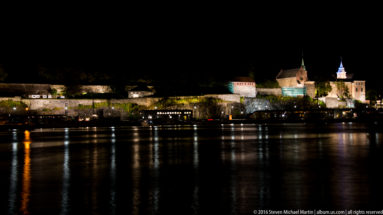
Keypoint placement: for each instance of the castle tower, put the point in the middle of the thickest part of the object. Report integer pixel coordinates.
(341, 74)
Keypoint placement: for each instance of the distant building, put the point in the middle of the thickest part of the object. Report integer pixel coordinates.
(140, 91)
(356, 89)
(243, 86)
(292, 77)
(294, 82)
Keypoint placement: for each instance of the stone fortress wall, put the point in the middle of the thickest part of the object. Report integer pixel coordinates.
(71, 106)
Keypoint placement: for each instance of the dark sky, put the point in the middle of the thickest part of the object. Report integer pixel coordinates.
(191, 44)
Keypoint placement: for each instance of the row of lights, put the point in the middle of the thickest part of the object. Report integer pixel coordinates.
(15, 108)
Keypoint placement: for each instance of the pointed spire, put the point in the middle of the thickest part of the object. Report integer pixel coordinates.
(341, 63)
(341, 74)
(303, 62)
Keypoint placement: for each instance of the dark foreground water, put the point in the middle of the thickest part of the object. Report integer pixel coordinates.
(229, 169)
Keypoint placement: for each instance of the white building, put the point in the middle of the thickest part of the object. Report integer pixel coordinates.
(243, 86)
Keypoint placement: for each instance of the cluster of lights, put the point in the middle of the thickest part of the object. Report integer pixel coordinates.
(173, 112)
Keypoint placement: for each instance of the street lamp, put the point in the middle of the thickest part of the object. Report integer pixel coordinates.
(14, 108)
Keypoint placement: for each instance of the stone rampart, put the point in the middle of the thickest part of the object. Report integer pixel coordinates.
(269, 91)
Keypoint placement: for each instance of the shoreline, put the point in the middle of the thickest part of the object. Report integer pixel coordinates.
(72, 124)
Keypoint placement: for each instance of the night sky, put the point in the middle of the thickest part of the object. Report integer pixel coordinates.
(200, 44)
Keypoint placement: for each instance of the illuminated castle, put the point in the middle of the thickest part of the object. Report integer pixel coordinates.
(294, 82)
(356, 88)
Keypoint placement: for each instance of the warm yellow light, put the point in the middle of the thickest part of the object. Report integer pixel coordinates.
(27, 135)
(26, 181)
(27, 139)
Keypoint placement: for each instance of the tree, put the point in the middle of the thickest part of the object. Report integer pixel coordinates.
(323, 88)
(342, 89)
(209, 108)
(371, 95)
(3, 74)
(268, 84)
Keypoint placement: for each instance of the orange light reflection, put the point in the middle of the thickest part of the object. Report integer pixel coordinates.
(26, 182)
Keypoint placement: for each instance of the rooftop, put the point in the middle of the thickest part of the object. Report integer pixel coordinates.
(289, 73)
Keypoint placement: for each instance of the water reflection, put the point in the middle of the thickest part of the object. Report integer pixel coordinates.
(136, 172)
(156, 148)
(13, 176)
(156, 192)
(66, 175)
(196, 193)
(113, 172)
(195, 169)
(195, 148)
(26, 182)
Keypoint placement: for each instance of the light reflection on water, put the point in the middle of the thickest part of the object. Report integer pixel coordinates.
(66, 175)
(26, 178)
(229, 168)
(13, 175)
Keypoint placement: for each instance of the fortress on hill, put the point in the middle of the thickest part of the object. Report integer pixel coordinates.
(241, 91)
(295, 82)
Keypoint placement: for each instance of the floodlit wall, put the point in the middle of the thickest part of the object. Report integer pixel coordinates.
(357, 90)
(310, 88)
(287, 82)
(269, 91)
(293, 91)
(225, 97)
(57, 106)
(246, 89)
(139, 94)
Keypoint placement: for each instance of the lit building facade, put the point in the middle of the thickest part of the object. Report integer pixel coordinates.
(244, 86)
(355, 88)
(294, 82)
